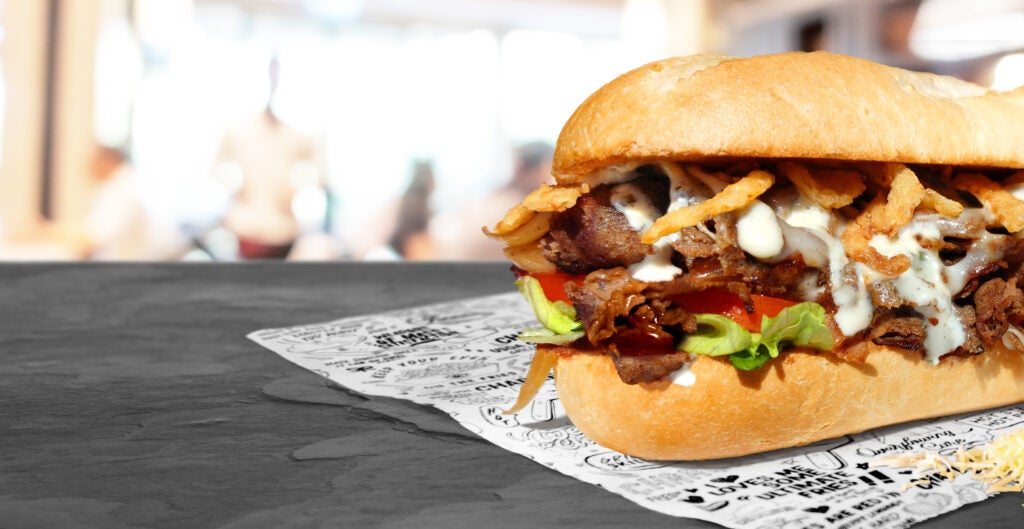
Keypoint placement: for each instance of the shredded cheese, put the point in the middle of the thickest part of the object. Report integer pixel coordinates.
(1000, 464)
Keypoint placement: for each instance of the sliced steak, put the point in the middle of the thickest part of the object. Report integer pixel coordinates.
(648, 368)
(593, 234)
(997, 304)
(897, 329)
(972, 338)
(602, 298)
(694, 243)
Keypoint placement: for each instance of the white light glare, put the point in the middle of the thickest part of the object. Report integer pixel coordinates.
(1008, 72)
(950, 30)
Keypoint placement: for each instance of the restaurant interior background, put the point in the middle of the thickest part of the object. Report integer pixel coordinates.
(365, 129)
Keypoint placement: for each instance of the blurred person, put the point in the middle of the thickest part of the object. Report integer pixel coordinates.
(266, 162)
(812, 35)
(410, 219)
(118, 225)
(459, 236)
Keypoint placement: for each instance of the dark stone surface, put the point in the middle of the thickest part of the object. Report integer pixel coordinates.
(130, 397)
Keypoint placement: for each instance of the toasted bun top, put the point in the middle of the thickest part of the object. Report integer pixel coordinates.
(790, 105)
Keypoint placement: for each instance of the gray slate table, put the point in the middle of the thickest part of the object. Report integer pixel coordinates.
(130, 397)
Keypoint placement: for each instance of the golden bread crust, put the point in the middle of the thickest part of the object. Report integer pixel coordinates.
(790, 105)
(797, 399)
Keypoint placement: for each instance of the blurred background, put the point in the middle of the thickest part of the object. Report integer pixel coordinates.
(365, 129)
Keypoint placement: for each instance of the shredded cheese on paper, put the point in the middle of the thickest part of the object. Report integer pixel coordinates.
(1000, 464)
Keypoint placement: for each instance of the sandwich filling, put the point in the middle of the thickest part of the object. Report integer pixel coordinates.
(921, 258)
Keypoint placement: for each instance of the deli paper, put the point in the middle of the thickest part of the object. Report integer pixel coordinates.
(464, 358)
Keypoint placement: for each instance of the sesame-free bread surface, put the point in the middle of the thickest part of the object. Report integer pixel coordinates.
(790, 105)
(798, 399)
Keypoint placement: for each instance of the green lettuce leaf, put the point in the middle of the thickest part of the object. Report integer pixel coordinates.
(543, 335)
(716, 336)
(747, 360)
(801, 325)
(557, 317)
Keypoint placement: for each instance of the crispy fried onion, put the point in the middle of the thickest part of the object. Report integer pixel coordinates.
(830, 189)
(554, 198)
(1008, 209)
(526, 222)
(882, 174)
(544, 361)
(530, 257)
(887, 216)
(734, 196)
(534, 227)
(857, 237)
(905, 194)
(941, 204)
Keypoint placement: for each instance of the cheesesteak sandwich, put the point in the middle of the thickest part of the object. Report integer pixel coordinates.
(740, 255)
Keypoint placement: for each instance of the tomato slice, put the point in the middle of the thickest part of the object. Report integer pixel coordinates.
(553, 284)
(731, 306)
(769, 306)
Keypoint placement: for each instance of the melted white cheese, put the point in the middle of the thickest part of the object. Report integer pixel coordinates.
(930, 285)
(810, 245)
(612, 174)
(925, 285)
(758, 231)
(712, 181)
(683, 376)
(683, 189)
(986, 249)
(658, 265)
(805, 219)
(635, 205)
(641, 214)
(806, 214)
(853, 303)
(805, 229)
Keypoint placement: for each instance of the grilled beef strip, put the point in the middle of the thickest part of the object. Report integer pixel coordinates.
(997, 303)
(593, 234)
(633, 319)
(648, 368)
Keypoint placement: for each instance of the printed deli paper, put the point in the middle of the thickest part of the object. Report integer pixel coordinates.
(464, 358)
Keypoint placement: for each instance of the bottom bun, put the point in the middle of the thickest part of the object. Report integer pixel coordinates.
(797, 399)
